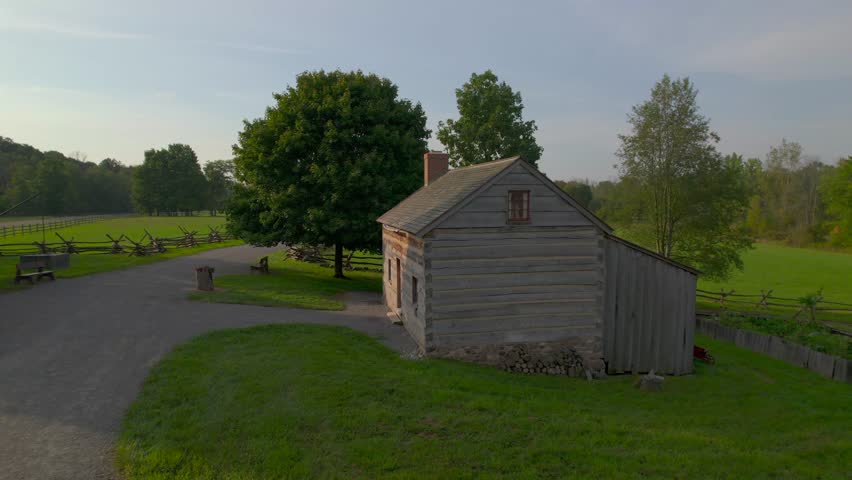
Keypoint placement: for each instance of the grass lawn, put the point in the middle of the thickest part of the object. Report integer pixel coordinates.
(85, 264)
(291, 284)
(133, 227)
(303, 401)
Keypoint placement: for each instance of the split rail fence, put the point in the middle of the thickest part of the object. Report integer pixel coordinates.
(810, 305)
(318, 255)
(148, 244)
(14, 229)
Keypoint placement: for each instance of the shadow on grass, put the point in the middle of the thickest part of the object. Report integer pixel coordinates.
(290, 283)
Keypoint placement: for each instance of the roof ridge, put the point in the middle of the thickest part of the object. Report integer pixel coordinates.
(491, 162)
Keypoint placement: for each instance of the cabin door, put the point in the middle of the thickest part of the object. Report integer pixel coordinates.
(398, 286)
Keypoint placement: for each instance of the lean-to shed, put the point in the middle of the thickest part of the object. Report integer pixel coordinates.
(494, 263)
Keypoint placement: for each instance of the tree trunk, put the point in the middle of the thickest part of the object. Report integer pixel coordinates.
(338, 260)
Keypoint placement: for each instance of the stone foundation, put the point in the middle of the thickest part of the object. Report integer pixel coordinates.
(548, 358)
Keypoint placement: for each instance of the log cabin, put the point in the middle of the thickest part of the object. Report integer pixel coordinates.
(495, 264)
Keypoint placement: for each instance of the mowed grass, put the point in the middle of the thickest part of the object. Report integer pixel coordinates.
(301, 401)
(134, 227)
(291, 284)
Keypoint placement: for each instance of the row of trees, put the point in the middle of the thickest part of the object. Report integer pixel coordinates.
(789, 197)
(799, 199)
(678, 195)
(65, 185)
(171, 181)
(339, 148)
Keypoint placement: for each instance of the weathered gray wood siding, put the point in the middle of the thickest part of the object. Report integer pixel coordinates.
(512, 284)
(489, 208)
(649, 316)
(409, 250)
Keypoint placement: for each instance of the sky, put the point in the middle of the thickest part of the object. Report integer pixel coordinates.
(115, 78)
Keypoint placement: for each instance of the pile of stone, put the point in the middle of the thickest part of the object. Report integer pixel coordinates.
(561, 361)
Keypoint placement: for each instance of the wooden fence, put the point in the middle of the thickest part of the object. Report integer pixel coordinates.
(148, 244)
(321, 256)
(829, 366)
(14, 229)
(355, 262)
(809, 305)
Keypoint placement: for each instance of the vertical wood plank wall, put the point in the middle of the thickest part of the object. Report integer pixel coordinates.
(409, 250)
(649, 313)
(515, 284)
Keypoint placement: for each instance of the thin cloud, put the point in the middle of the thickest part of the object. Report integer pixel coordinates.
(799, 51)
(11, 22)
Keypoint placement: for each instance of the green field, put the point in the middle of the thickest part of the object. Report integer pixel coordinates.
(303, 401)
(291, 284)
(134, 227)
(791, 272)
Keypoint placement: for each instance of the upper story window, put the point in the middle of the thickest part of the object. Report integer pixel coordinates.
(519, 205)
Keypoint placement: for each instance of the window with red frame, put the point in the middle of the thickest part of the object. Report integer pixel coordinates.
(519, 205)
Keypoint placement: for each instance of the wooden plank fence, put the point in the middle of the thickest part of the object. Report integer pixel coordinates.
(829, 366)
(14, 229)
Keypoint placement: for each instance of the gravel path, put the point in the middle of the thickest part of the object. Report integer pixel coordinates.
(73, 354)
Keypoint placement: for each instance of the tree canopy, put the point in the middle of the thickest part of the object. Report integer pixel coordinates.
(838, 194)
(169, 181)
(65, 185)
(689, 199)
(581, 191)
(220, 184)
(490, 124)
(332, 153)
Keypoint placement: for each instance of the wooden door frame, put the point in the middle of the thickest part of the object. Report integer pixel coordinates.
(398, 285)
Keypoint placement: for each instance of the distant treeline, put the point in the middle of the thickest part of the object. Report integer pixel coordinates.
(66, 185)
(795, 198)
(170, 181)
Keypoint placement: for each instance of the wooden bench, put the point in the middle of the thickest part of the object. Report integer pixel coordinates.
(31, 277)
(262, 266)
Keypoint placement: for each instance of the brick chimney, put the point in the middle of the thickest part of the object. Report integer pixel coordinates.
(435, 164)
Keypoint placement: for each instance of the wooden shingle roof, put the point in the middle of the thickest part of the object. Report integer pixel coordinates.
(431, 201)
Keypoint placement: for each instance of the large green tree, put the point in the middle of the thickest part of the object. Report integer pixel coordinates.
(332, 154)
(490, 124)
(220, 184)
(691, 199)
(837, 190)
(579, 190)
(169, 181)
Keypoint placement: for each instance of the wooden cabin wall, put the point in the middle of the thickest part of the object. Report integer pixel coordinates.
(515, 284)
(649, 317)
(409, 250)
(490, 208)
